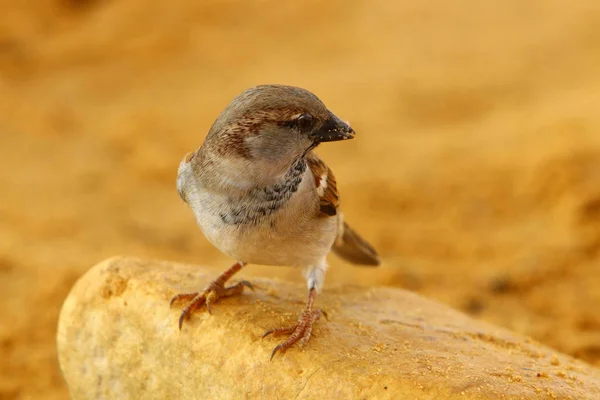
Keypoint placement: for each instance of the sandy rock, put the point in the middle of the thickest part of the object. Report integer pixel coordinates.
(118, 339)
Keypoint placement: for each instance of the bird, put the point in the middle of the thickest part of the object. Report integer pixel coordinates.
(261, 195)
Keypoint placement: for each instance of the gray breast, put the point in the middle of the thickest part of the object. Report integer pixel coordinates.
(261, 203)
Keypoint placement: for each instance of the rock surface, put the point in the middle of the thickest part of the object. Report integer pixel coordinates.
(118, 339)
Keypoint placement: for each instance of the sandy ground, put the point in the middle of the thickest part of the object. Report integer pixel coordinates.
(475, 171)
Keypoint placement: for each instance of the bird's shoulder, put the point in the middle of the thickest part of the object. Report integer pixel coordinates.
(325, 185)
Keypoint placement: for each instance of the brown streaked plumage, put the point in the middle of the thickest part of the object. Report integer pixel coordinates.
(261, 195)
(329, 200)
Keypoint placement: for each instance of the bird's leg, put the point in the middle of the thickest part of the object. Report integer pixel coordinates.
(299, 332)
(213, 291)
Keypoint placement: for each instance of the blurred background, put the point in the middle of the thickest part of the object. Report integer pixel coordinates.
(475, 171)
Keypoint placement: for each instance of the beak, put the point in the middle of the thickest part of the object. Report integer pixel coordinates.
(332, 130)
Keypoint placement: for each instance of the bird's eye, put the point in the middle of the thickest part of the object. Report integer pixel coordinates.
(304, 122)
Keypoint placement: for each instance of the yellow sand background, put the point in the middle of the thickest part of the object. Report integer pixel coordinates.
(475, 171)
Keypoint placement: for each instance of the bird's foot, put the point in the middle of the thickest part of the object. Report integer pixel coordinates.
(299, 332)
(208, 296)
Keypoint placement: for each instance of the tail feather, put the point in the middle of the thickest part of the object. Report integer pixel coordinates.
(351, 247)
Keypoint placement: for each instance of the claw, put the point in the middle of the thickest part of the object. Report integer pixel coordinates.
(275, 350)
(279, 331)
(211, 294)
(208, 309)
(267, 333)
(299, 333)
(187, 296)
(181, 318)
(249, 285)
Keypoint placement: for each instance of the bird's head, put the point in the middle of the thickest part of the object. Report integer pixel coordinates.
(274, 125)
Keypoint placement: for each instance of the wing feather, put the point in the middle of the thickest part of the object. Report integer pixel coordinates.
(349, 244)
(329, 200)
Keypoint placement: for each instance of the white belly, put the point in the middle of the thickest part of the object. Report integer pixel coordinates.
(292, 235)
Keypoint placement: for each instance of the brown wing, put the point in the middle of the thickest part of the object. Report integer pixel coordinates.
(349, 245)
(329, 200)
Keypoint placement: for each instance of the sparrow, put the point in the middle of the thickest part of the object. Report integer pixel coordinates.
(262, 196)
